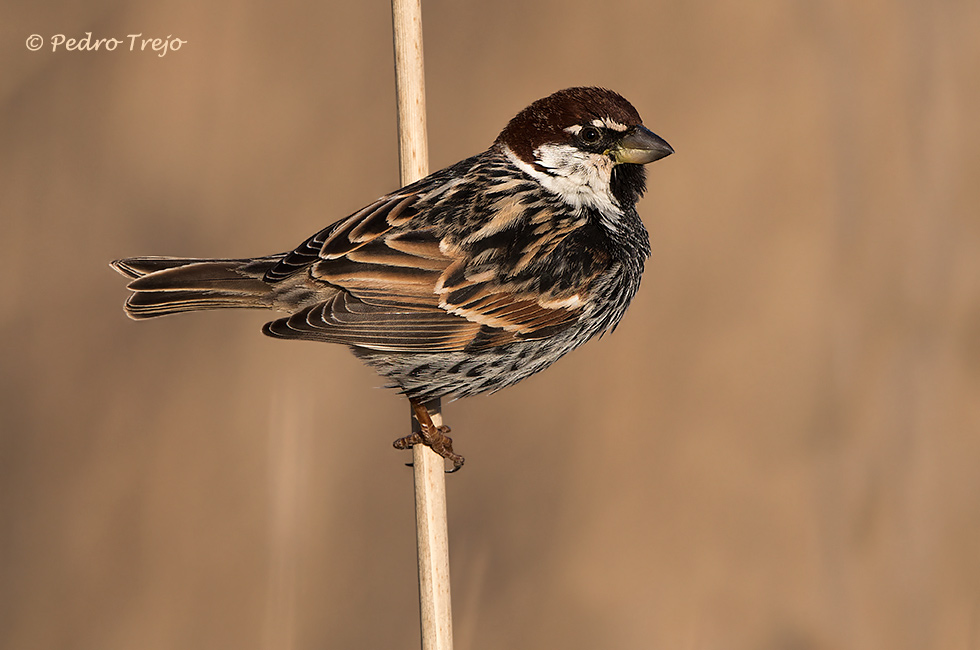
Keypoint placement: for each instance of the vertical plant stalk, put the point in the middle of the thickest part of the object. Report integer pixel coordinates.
(435, 605)
(413, 148)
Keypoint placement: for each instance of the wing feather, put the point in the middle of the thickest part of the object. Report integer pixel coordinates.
(409, 282)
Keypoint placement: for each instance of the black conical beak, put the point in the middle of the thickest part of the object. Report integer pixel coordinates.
(640, 146)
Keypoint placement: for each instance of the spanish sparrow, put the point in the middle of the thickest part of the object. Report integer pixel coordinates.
(468, 280)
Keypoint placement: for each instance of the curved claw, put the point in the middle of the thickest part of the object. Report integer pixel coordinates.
(432, 436)
(407, 442)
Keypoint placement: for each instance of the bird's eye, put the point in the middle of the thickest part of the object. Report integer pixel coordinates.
(590, 135)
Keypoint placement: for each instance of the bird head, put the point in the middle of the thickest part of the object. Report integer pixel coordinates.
(588, 145)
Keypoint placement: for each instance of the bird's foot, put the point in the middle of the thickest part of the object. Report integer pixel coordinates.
(431, 436)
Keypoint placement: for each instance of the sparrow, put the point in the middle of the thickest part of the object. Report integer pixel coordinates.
(466, 281)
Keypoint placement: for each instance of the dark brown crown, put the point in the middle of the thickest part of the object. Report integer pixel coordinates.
(546, 119)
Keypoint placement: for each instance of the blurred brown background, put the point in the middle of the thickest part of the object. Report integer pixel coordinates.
(777, 450)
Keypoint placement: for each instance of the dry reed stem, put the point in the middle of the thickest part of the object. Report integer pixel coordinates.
(435, 605)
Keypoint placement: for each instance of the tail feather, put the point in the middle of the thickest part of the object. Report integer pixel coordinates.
(169, 285)
(137, 267)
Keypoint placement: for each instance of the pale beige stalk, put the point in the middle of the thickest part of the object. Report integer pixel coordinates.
(435, 605)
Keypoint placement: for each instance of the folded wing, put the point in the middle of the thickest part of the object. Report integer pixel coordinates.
(407, 286)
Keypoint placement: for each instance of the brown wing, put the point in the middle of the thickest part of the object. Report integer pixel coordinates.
(410, 284)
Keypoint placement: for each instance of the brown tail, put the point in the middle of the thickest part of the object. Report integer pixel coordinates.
(169, 285)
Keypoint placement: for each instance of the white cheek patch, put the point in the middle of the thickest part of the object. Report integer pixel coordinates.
(580, 178)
